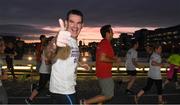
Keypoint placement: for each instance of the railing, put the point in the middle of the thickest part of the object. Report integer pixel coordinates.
(27, 67)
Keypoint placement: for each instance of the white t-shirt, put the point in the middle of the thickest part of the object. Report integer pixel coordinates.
(154, 71)
(131, 54)
(44, 68)
(63, 74)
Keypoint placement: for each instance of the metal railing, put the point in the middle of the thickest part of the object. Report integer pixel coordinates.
(26, 67)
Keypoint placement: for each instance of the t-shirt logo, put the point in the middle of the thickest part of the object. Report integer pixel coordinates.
(75, 54)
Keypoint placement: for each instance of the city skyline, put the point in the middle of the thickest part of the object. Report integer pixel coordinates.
(28, 19)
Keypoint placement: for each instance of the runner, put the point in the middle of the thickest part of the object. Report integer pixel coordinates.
(154, 75)
(3, 75)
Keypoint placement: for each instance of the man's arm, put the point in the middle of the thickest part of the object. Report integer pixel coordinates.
(105, 58)
(84, 65)
(63, 52)
(136, 63)
(154, 63)
(50, 50)
(53, 51)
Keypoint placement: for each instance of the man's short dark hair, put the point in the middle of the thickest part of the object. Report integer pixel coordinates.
(133, 42)
(104, 29)
(75, 12)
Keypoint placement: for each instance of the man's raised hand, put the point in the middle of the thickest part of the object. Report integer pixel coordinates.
(63, 35)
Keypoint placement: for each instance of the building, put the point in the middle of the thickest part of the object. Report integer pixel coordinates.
(141, 37)
(121, 44)
(169, 37)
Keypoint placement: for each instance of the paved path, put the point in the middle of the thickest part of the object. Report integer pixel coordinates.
(87, 87)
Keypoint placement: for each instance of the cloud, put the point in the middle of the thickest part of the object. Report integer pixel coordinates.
(126, 13)
(30, 18)
(23, 31)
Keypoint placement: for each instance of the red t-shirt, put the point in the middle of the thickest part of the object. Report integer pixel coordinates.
(103, 69)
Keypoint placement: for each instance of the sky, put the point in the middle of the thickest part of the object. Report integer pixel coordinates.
(30, 18)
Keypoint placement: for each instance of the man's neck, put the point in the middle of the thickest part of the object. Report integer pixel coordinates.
(109, 39)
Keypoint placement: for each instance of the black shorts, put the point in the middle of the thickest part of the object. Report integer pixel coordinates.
(131, 73)
(64, 99)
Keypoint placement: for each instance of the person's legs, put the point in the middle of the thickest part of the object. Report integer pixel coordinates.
(107, 89)
(33, 94)
(166, 82)
(158, 84)
(149, 84)
(132, 79)
(12, 72)
(10, 66)
(131, 82)
(38, 64)
(139, 94)
(146, 88)
(44, 78)
(175, 77)
(97, 99)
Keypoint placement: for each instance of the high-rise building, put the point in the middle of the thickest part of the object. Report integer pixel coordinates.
(169, 37)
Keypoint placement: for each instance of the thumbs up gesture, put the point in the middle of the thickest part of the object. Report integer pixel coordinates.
(63, 35)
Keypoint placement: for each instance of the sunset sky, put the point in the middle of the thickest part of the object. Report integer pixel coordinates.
(31, 18)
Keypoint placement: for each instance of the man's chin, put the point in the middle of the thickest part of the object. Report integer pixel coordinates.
(74, 35)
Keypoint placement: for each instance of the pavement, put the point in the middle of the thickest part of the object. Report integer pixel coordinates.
(87, 87)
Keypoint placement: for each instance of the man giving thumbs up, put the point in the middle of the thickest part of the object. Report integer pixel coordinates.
(63, 74)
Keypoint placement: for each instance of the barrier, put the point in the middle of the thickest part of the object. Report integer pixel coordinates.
(27, 67)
